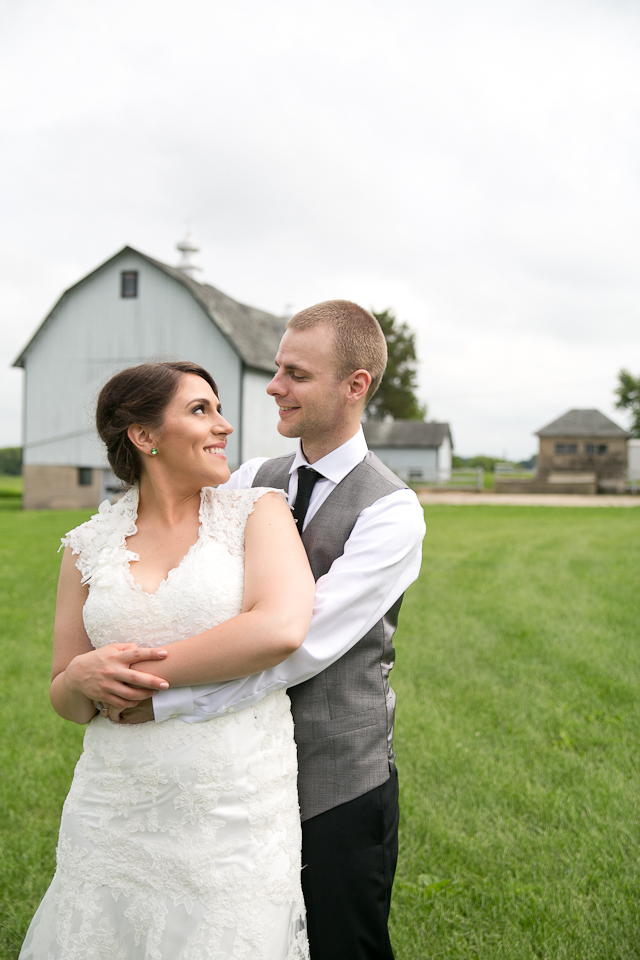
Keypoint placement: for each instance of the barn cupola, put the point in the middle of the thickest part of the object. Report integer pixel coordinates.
(188, 248)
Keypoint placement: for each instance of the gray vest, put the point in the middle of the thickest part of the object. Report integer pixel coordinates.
(343, 717)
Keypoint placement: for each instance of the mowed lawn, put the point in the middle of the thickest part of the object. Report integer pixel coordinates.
(518, 737)
(518, 682)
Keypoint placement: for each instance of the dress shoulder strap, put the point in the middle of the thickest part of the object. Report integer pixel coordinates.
(98, 542)
(224, 514)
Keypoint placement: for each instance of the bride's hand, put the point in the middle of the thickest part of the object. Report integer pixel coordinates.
(106, 675)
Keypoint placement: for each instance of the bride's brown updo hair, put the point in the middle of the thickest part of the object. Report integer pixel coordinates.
(138, 395)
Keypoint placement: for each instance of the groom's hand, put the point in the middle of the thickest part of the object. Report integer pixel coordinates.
(138, 713)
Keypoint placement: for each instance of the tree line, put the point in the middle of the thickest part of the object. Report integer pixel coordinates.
(11, 461)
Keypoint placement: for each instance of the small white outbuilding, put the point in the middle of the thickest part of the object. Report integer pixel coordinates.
(633, 453)
(129, 310)
(413, 449)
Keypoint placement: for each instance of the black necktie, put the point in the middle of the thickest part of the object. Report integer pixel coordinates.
(307, 479)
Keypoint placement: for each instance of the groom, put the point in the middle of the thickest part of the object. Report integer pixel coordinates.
(362, 529)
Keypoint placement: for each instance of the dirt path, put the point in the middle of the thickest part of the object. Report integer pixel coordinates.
(459, 498)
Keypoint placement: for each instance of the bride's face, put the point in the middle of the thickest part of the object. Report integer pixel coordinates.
(194, 435)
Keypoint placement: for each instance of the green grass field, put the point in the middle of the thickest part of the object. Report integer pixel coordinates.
(10, 490)
(517, 737)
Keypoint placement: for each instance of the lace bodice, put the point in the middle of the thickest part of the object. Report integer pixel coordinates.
(204, 590)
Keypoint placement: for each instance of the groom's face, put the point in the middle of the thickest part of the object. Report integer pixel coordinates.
(311, 397)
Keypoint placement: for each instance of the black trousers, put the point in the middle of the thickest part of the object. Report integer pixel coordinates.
(349, 857)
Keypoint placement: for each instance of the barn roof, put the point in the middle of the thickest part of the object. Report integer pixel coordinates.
(582, 423)
(405, 433)
(255, 334)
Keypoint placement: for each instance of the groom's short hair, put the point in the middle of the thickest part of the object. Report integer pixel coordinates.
(358, 338)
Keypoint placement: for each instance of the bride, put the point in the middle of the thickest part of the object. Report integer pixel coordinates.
(178, 841)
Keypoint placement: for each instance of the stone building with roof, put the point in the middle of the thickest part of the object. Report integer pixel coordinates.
(583, 451)
(128, 310)
(413, 449)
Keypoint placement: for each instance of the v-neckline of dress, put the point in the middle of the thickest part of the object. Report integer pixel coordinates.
(130, 555)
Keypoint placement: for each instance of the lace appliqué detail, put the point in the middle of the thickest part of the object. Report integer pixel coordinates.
(224, 514)
(99, 543)
(178, 841)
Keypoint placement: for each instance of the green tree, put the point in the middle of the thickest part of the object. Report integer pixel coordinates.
(396, 394)
(628, 394)
(11, 460)
(481, 460)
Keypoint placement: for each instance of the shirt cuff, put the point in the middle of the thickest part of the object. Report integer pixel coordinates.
(205, 709)
(171, 703)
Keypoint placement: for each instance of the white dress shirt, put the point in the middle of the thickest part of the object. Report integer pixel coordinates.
(381, 559)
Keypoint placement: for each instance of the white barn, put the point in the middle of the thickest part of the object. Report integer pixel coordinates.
(413, 449)
(129, 310)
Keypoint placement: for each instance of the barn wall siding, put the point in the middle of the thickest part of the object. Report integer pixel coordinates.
(96, 332)
(260, 437)
(445, 456)
(404, 460)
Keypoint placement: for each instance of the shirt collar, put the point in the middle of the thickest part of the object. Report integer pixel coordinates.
(337, 464)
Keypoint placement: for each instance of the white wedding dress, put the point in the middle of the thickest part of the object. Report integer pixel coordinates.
(178, 841)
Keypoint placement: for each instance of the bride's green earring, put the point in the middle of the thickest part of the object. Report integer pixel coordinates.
(154, 451)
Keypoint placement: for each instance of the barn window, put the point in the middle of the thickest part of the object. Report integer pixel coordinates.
(129, 283)
(85, 476)
(566, 448)
(593, 449)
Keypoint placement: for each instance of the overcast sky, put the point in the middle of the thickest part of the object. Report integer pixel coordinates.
(473, 165)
